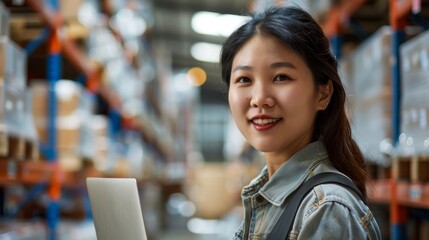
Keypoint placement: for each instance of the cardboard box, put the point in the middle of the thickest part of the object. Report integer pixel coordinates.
(99, 127)
(70, 9)
(207, 189)
(68, 95)
(69, 160)
(68, 135)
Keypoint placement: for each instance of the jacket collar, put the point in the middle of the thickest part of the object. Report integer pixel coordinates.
(289, 176)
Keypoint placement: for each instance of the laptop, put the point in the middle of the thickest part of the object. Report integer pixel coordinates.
(116, 208)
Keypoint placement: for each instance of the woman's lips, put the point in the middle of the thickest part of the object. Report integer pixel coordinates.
(264, 123)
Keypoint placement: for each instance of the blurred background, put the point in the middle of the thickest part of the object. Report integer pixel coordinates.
(132, 88)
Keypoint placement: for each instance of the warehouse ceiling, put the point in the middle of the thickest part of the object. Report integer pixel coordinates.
(173, 28)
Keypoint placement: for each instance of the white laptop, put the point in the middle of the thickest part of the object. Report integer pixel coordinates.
(116, 208)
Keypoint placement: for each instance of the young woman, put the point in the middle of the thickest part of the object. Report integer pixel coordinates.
(287, 99)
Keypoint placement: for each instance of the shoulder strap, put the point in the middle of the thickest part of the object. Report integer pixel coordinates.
(284, 224)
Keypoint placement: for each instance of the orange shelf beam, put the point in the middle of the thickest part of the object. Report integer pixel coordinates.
(48, 15)
(28, 172)
(338, 15)
(398, 12)
(73, 53)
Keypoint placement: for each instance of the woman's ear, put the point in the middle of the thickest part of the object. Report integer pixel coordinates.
(325, 93)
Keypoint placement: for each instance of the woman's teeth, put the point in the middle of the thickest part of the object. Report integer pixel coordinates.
(265, 121)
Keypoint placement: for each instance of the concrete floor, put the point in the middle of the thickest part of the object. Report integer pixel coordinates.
(184, 235)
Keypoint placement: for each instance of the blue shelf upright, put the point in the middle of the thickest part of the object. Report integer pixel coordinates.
(399, 11)
(53, 75)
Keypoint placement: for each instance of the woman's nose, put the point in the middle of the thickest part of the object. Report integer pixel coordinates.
(261, 97)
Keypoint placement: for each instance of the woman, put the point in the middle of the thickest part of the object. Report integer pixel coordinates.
(287, 99)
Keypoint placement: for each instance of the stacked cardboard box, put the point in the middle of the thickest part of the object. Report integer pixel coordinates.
(70, 9)
(68, 120)
(80, 134)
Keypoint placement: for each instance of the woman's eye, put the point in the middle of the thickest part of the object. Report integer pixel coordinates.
(282, 78)
(243, 80)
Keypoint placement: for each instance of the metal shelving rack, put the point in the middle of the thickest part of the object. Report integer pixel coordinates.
(399, 12)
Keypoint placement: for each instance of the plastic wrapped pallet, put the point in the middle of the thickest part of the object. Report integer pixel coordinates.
(29, 128)
(13, 62)
(372, 98)
(87, 141)
(371, 65)
(415, 97)
(372, 126)
(4, 20)
(12, 125)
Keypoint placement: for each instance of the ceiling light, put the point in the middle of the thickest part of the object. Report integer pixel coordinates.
(216, 24)
(206, 52)
(197, 76)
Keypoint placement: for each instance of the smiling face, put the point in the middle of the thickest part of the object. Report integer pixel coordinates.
(273, 98)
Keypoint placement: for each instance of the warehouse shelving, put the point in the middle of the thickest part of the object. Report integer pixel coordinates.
(399, 10)
(391, 190)
(388, 191)
(92, 73)
(49, 174)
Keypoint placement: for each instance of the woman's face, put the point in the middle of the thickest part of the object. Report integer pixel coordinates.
(272, 96)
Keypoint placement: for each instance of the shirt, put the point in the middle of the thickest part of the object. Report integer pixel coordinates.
(329, 211)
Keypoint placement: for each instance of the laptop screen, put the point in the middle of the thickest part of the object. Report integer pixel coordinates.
(116, 208)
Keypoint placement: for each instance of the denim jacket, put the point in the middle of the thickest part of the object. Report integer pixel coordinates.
(329, 211)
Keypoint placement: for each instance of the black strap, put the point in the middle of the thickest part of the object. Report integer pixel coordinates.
(284, 224)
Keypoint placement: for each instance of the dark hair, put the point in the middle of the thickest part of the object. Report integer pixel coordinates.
(300, 32)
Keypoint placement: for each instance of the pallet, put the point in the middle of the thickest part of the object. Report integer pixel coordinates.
(412, 171)
(32, 150)
(401, 168)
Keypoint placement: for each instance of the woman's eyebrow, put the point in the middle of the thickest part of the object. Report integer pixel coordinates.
(242, 68)
(282, 64)
(273, 65)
